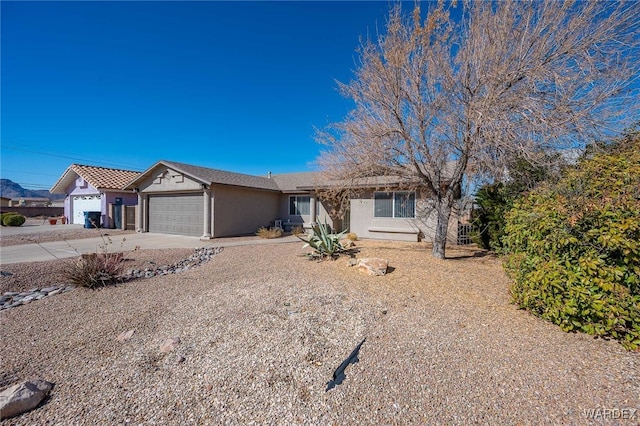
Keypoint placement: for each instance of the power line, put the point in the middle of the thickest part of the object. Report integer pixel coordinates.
(82, 159)
(33, 185)
(28, 173)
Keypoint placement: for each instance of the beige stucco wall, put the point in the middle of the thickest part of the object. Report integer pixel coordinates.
(241, 211)
(322, 213)
(164, 179)
(366, 226)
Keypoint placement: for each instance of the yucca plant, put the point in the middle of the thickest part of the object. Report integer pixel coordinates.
(323, 242)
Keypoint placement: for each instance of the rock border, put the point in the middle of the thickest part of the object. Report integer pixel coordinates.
(12, 299)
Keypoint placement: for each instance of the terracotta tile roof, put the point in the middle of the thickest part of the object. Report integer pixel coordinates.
(101, 178)
(104, 178)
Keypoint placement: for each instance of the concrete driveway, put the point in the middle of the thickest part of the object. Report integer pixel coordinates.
(128, 242)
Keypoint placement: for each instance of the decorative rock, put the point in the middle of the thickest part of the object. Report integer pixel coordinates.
(23, 397)
(124, 336)
(169, 344)
(373, 266)
(346, 243)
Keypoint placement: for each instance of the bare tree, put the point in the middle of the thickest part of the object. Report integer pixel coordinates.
(477, 84)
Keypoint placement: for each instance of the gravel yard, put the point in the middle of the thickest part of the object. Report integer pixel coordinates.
(262, 331)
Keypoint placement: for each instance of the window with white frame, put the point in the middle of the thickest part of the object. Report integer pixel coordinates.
(398, 204)
(299, 205)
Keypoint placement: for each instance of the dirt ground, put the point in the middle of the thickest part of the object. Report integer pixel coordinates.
(262, 331)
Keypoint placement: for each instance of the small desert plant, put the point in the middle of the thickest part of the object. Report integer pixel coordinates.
(13, 219)
(324, 243)
(351, 236)
(269, 233)
(95, 269)
(297, 230)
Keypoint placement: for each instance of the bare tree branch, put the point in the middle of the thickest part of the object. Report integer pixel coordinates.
(477, 84)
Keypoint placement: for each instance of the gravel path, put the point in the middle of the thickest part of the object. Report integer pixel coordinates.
(262, 330)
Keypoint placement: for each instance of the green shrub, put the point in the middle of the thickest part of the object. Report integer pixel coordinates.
(3, 215)
(13, 219)
(488, 219)
(573, 248)
(269, 233)
(324, 243)
(494, 200)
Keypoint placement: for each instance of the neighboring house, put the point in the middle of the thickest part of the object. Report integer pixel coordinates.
(184, 199)
(30, 202)
(177, 198)
(5, 202)
(95, 189)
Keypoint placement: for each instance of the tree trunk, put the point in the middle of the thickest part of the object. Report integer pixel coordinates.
(443, 210)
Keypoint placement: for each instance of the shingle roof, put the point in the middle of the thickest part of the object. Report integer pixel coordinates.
(292, 182)
(287, 182)
(207, 175)
(101, 178)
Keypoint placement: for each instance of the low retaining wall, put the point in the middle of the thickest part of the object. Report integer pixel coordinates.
(34, 211)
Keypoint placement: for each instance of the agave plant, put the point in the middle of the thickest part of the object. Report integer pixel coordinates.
(324, 243)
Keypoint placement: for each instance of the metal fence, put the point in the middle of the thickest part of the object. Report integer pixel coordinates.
(464, 234)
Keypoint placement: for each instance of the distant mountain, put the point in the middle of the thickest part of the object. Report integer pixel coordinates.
(10, 189)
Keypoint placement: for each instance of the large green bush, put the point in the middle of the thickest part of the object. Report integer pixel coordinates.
(494, 200)
(573, 248)
(488, 219)
(13, 219)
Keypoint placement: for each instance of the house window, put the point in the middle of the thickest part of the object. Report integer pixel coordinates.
(399, 204)
(299, 205)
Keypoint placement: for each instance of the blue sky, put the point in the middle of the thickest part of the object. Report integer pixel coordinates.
(231, 85)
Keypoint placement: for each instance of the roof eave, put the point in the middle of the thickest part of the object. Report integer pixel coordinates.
(143, 175)
(61, 185)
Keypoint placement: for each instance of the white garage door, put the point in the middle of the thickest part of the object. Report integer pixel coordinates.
(85, 203)
(180, 214)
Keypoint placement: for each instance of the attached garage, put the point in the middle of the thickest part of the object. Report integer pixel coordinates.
(85, 203)
(180, 214)
(182, 199)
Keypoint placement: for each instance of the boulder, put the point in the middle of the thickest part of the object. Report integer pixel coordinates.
(169, 344)
(23, 397)
(347, 243)
(124, 336)
(373, 266)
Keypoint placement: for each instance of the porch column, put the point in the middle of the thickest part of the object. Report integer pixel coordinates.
(139, 213)
(312, 209)
(145, 213)
(207, 215)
